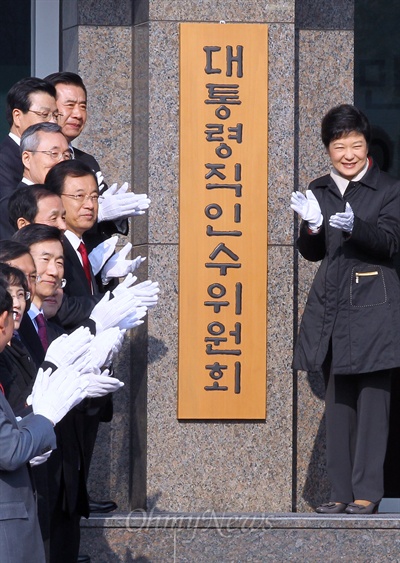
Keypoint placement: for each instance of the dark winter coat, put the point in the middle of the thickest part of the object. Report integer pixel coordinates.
(354, 300)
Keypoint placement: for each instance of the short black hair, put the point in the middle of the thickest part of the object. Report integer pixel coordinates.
(24, 203)
(11, 250)
(57, 175)
(13, 276)
(342, 120)
(6, 302)
(36, 232)
(18, 96)
(66, 78)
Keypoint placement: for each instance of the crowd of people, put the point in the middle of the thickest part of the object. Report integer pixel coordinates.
(67, 298)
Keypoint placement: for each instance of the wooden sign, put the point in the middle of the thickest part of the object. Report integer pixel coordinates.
(223, 221)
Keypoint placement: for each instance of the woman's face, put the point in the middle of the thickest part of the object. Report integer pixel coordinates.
(19, 303)
(348, 154)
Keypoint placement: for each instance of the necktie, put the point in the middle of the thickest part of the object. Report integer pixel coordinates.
(85, 260)
(42, 331)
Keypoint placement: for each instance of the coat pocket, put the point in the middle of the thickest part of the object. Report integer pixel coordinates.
(367, 286)
(13, 510)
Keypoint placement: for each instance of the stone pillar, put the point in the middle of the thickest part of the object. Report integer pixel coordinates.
(127, 53)
(324, 50)
(221, 466)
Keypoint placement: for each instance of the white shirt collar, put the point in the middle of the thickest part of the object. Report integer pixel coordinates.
(15, 138)
(342, 183)
(34, 312)
(74, 240)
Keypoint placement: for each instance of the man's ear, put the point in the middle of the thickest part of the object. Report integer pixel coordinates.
(26, 159)
(22, 222)
(16, 115)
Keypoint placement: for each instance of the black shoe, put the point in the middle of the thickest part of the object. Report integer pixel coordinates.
(83, 559)
(354, 508)
(331, 508)
(101, 506)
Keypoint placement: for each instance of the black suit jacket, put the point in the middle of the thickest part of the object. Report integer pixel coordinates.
(11, 172)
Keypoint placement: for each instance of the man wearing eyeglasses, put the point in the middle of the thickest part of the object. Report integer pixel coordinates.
(29, 101)
(42, 146)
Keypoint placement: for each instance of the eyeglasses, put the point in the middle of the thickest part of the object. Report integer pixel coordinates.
(56, 155)
(47, 115)
(80, 198)
(21, 295)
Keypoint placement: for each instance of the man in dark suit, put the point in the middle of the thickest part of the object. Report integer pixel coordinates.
(76, 184)
(71, 96)
(29, 101)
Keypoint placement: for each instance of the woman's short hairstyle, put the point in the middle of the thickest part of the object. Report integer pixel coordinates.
(342, 120)
(14, 276)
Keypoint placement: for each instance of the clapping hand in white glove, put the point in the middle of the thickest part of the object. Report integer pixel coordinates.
(105, 345)
(101, 384)
(100, 180)
(308, 208)
(110, 312)
(70, 349)
(343, 221)
(99, 255)
(145, 292)
(118, 203)
(53, 395)
(133, 319)
(39, 459)
(118, 266)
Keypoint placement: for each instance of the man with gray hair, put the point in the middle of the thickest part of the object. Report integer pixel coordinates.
(42, 146)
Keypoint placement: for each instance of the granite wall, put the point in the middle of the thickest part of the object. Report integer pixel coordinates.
(127, 54)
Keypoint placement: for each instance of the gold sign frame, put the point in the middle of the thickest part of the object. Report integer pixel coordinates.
(223, 221)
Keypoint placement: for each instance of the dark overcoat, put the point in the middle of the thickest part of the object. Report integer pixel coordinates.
(354, 301)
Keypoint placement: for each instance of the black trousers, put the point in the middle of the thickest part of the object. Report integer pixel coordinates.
(357, 428)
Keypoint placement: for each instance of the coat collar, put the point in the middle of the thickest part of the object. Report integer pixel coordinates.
(370, 179)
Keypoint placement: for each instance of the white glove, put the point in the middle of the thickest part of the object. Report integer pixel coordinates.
(100, 180)
(68, 348)
(39, 459)
(343, 221)
(118, 266)
(54, 396)
(133, 319)
(108, 313)
(118, 203)
(105, 345)
(124, 285)
(99, 255)
(146, 293)
(101, 384)
(308, 208)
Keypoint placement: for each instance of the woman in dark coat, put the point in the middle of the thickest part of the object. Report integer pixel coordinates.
(350, 329)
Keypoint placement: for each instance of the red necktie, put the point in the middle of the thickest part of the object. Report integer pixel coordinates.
(85, 261)
(42, 331)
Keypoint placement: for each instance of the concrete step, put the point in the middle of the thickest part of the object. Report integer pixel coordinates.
(240, 537)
